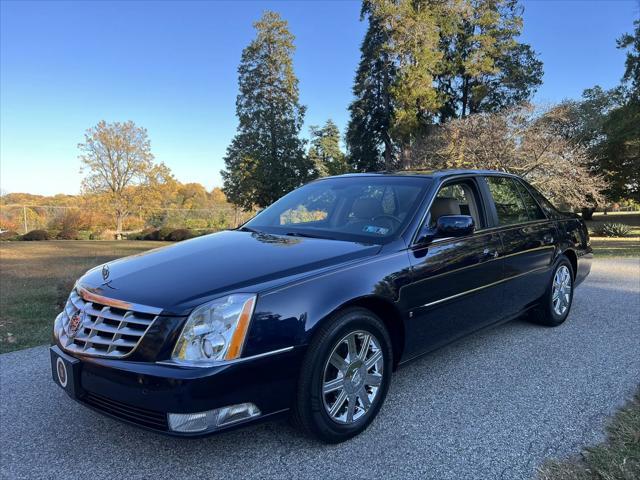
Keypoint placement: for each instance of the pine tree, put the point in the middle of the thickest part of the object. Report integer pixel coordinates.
(325, 152)
(368, 138)
(266, 157)
(485, 68)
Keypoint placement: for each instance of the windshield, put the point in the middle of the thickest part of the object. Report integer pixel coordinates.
(366, 209)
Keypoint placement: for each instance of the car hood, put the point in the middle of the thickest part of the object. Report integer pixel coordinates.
(181, 276)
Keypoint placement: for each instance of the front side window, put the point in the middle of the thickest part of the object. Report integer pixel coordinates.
(350, 208)
(509, 204)
(456, 199)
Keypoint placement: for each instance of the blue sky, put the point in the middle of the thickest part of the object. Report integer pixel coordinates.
(172, 68)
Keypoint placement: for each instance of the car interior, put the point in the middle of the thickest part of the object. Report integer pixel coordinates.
(455, 199)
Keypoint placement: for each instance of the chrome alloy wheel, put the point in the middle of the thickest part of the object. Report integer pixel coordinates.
(561, 291)
(352, 377)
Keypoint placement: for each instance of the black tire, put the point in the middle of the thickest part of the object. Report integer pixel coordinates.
(309, 412)
(545, 314)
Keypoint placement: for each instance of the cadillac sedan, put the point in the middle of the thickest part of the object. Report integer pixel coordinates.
(308, 308)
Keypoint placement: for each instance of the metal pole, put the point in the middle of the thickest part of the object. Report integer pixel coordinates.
(24, 216)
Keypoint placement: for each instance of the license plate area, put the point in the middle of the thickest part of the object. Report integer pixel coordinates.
(65, 371)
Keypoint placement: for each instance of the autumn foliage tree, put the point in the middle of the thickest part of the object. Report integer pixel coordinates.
(118, 163)
(520, 140)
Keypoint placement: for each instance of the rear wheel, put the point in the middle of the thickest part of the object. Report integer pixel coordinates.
(556, 303)
(345, 376)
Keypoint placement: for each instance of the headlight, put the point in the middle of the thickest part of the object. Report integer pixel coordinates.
(216, 330)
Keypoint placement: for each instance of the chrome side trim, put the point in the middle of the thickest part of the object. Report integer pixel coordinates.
(221, 363)
(457, 295)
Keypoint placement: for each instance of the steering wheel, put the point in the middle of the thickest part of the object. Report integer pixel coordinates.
(388, 216)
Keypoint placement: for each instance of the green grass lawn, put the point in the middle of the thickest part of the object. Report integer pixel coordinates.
(36, 277)
(616, 247)
(617, 458)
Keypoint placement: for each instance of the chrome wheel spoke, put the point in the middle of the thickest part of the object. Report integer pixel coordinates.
(333, 385)
(353, 351)
(364, 398)
(375, 358)
(364, 348)
(373, 380)
(338, 362)
(351, 408)
(335, 408)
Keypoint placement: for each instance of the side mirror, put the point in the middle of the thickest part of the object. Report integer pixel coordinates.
(454, 225)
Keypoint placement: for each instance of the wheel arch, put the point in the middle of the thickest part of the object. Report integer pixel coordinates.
(388, 313)
(573, 260)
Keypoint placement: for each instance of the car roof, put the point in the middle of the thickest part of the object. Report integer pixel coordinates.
(426, 173)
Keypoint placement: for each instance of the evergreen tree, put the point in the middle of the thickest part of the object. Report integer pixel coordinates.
(368, 138)
(485, 68)
(427, 61)
(325, 152)
(266, 157)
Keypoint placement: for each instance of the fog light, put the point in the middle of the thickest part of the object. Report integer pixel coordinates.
(211, 419)
(236, 413)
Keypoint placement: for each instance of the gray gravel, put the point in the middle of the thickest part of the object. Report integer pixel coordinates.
(494, 405)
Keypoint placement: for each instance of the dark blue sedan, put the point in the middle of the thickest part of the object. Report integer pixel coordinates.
(309, 307)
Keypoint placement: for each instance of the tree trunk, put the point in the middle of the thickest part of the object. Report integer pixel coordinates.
(119, 222)
(465, 96)
(587, 213)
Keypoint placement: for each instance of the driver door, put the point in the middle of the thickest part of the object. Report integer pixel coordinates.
(455, 283)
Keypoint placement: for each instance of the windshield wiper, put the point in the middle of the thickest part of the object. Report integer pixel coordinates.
(306, 235)
(248, 229)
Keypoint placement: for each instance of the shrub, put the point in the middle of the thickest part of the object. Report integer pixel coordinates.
(149, 234)
(179, 235)
(68, 235)
(102, 235)
(36, 235)
(612, 230)
(9, 235)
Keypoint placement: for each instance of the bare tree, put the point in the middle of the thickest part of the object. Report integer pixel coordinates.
(117, 158)
(520, 140)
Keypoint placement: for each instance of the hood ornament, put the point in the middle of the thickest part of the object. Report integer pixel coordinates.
(105, 272)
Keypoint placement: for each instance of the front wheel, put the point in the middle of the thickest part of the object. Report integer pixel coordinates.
(345, 376)
(556, 303)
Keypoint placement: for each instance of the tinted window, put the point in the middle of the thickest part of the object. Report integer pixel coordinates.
(533, 209)
(346, 208)
(509, 204)
(547, 206)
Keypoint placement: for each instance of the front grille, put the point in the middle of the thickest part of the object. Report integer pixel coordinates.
(104, 330)
(140, 416)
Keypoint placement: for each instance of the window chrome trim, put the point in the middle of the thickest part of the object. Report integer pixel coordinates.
(221, 363)
(477, 289)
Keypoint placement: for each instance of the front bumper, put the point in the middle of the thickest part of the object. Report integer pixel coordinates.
(143, 393)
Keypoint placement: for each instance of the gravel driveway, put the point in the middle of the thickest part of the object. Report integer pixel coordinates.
(494, 405)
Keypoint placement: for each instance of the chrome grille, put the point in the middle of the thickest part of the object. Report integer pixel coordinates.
(104, 330)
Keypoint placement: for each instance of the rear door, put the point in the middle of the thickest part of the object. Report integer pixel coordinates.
(529, 241)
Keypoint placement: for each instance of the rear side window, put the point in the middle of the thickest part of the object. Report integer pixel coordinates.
(509, 204)
(547, 206)
(533, 209)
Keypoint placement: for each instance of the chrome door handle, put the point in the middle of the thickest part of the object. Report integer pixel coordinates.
(547, 239)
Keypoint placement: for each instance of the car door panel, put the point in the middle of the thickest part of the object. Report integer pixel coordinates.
(529, 252)
(455, 290)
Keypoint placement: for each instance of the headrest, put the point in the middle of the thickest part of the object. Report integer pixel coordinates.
(366, 208)
(444, 206)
